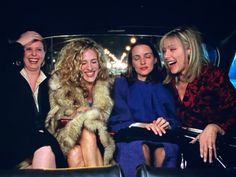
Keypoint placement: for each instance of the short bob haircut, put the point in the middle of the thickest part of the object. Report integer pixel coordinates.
(191, 39)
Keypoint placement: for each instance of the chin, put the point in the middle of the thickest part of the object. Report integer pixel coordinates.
(90, 80)
(174, 71)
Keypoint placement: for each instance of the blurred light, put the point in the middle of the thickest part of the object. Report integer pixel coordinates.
(109, 54)
(132, 40)
(123, 56)
(127, 48)
(106, 51)
(120, 65)
(109, 65)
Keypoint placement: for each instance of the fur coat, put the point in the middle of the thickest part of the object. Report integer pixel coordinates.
(64, 100)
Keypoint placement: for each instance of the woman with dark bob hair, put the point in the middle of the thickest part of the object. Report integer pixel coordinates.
(141, 102)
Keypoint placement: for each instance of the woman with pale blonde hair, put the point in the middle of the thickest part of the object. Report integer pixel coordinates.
(80, 104)
(205, 98)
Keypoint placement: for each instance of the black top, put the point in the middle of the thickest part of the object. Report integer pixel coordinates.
(20, 119)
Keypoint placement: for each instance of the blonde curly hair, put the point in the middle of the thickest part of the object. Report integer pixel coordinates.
(69, 60)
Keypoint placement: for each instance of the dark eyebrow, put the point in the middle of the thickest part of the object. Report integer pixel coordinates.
(148, 53)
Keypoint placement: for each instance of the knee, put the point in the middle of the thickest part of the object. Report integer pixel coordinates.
(74, 151)
(160, 152)
(44, 152)
(145, 148)
(88, 137)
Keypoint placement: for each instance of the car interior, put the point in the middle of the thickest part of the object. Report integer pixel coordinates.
(116, 45)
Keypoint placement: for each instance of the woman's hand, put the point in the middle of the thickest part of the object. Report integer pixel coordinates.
(207, 142)
(162, 123)
(158, 126)
(28, 37)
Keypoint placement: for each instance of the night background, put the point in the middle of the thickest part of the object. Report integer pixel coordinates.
(216, 19)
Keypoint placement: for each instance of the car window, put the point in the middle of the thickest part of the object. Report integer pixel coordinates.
(232, 71)
(116, 46)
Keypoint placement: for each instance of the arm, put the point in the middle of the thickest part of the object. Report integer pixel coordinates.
(120, 116)
(14, 51)
(165, 106)
(227, 101)
(226, 96)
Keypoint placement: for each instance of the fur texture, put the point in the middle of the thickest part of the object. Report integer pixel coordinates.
(64, 100)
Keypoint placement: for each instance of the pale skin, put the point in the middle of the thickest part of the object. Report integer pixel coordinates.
(43, 158)
(176, 59)
(34, 54)
(86, 152)
(143, 62)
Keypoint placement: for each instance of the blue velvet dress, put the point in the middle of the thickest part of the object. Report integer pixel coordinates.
(142, 102)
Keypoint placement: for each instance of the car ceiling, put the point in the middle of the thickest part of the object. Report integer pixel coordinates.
(215, 19)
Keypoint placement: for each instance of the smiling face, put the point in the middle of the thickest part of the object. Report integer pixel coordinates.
(34, 56)
(175, 55)
(143, 61)
(89, 66)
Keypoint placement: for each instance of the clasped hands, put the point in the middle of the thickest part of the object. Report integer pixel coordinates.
(158, 126)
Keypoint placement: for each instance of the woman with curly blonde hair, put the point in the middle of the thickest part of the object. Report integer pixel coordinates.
(80, 104)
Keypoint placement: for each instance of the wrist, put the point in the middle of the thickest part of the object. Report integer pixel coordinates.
(219, 130)
(20, 42)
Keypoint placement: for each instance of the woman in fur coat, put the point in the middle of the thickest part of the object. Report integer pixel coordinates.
(80, 104)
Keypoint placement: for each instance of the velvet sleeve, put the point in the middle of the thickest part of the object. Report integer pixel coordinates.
(166, 106)
(10, 54)
(227, 100)
(120, 116)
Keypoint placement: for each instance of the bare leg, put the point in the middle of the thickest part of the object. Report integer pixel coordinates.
(44, 158)
(146, 153)
(75, 157)
(91, 153)
(159, 155)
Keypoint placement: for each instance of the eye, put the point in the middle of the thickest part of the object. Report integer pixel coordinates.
(28, 49)
(83, 63)
(136, 57)
(94, 61)
(39, 49)
(148, 55)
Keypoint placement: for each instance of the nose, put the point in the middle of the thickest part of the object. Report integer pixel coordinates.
(89, 66)
(33, 52)
(142, 61)
(166, 54)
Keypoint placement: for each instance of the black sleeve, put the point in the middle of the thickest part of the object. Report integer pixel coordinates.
(11, 54)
